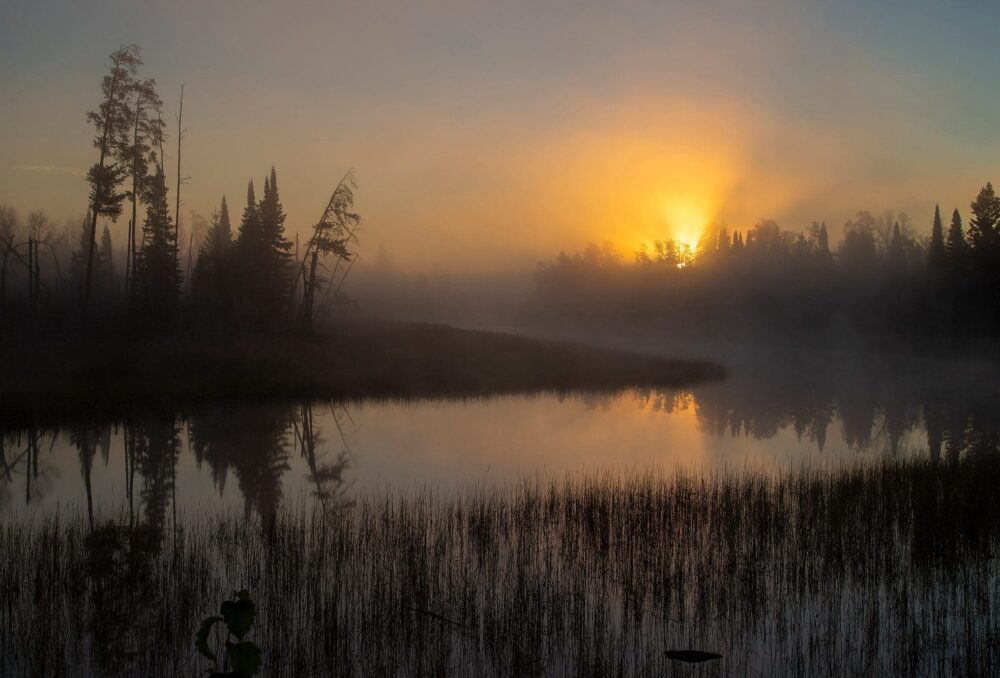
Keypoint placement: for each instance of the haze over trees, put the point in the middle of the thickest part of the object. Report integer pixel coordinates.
(882, 277)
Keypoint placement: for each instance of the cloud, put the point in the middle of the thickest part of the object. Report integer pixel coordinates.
(51, 169)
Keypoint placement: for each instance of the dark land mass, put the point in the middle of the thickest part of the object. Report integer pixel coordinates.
(47, 379)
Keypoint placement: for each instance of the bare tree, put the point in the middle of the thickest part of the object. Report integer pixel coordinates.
(332, 235)
(180, 180)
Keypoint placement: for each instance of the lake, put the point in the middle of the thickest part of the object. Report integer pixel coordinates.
(259, 456)
(802, 516)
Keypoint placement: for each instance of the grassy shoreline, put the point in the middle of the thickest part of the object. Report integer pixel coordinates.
(49, 378)
(888, 568)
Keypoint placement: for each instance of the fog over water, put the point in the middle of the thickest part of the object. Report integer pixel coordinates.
(770, 414)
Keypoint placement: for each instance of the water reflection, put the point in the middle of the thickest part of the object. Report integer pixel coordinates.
(149, 468)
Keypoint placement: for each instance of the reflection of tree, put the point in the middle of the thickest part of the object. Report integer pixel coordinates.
(877, 404)
(253, 442)
(327, 476)
(86, 438)
(20, 453)
(117, 556)
(155, 452)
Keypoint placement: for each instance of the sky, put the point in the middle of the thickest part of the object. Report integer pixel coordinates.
(492, 135)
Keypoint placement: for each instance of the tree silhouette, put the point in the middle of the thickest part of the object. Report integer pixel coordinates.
(956, 249)
(332, 235)
(112, 121)
(157, 274)
(936, 254)
(211, 284)
(984, 224)
(263, 257)
(147, 135)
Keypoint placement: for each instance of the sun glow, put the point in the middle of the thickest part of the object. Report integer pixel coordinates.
(685, 220)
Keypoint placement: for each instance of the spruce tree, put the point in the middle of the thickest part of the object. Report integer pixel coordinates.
(211, 288)
(823, 241)
(263, 255)
(984, 255)
(984, 224)
(955, 248)
(157, 273)
(224, 230)
(105, 259)
(896, 253)
(936, 255)
(272, 216)
(250, 230)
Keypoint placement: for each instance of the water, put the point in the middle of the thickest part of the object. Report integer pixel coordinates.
(170, 514)
(259, 456)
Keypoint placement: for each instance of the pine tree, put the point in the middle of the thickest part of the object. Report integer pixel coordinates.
(723, 240)
(936, 254)
(984, 224)
(263, 256)
(105, 257)
(955, 248)
(224, 230)
(250, 229)
(823, 241)
(272, 217)
(210, 282)
(157, 273)
(111, 121)
(896, 253)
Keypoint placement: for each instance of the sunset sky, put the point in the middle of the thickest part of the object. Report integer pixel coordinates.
(490, 135)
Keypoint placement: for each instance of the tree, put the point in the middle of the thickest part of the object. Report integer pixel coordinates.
(147, 134)
(857, 250)
(819, 239)
(332, 235)
(955, 248)
(896, 253)
(8, 232)
(157, 274)
(100, 265)
(823, 240)
(105, 255)
(262, 256)
(984, 224)
(112, 122)
(723, 246)
(272, 218)
(936, 255)
(210, 282)
(250, 223)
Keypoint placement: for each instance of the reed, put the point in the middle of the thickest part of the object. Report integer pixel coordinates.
(883, 567)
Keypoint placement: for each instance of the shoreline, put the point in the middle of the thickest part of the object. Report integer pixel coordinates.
(56, 378)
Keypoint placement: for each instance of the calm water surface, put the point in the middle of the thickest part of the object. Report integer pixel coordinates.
(261, 456)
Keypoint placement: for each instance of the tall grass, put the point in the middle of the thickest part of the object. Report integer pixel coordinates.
(887, 568)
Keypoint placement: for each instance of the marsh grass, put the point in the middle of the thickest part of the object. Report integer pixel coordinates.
(881, 568)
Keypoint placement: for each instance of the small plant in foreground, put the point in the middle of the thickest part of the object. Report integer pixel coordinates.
(242, 658)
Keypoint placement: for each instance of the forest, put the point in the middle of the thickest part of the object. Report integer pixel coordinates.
(883, 277)
(206, 276)
(247, 275)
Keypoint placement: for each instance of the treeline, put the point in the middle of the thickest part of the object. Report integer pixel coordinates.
(253, 277)
(880, 277)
